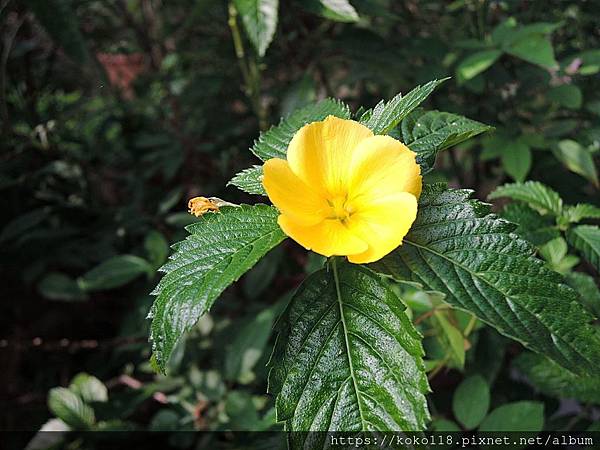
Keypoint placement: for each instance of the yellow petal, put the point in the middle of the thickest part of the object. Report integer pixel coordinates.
(383, 225)
(321, 153)
(382, 166)
(330, 237)
(291, 195)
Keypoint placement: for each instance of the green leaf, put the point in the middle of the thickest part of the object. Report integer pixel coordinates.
(537, 195)
(531, 225)
(581, 211)
(115, 272)
(589, 294)
(157, 248)
(534, 48)
(551, 379)
(586, 239)
(577, 159)
(338, 10)
(273, 143)
(516, 160)
(429, 132)
(471, 401)
(260, 21)
(89, 388)
(70, 408)
(567, 95)
(555, 253)
(249, 180)
(456, 247)
(475, 64)
(58, 286)
(454, 340)
(22, 224)
(347, 358)
(247, 346)
(517, 416)
(221, 247)
(386, 115)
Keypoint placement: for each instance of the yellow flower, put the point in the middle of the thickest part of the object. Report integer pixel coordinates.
(344, 191)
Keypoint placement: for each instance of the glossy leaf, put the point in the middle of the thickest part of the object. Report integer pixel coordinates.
(429, 132)
(273, 143)
(386, 115)
(249, 180)
(555, 381)
(586, 239)
(456, 247)
(347, 358)
(221, 247)
(260, 21)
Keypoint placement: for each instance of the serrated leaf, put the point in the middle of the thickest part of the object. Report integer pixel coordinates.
(260, 21)
(221, 247)
(386, 115)
(70, 408)
(347, 358)
(517, 416)
(531, 225)
(429, 132)
(475, 64)
(338, 10)
(555, 381)
(586, 239)
(273, 143)
(89, 388)
(471, 401)
(455, 246)
(589, 294)
(537, 195)
(249, 180)
(581, 211)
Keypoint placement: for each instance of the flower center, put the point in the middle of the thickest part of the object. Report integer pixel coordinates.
(341, 209)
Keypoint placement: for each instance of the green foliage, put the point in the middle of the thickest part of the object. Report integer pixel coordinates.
(578, 159)
(535, 194)
(476, 63)
(70, 408)
(347, 358)
(250, 181)
(221, 247)
(260, 21)
(471, 401)
(429, 132)
(457, 248)
(586, 239)
(115, 272)
(553, 380)
(386, 115)
(274, 142)
(338, 10)
(517, 416)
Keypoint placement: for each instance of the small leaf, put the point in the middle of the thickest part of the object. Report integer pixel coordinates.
(273, 143)
(551, 379)
(586, 239)
(58, 286)
(260, 21)
(338, 10)
(456, 247)
(70, 408)
(454, 338)
(89, 388)
(534, 48)
(531, 225)
(581, 211)
(249, 180)
(386, 115)
(475, 64)
(115, 272)
(589, 294)
(516, 160)
(537, 195)
(517, 416)
(471, 401)
(567, 95)
(221, 247)
(577, 159)
(157, 248)
(429, 132)
(347, 358)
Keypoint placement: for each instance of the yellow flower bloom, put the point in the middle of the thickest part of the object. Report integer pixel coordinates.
(344, 191)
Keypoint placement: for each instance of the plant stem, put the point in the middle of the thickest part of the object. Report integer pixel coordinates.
(250, 70)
